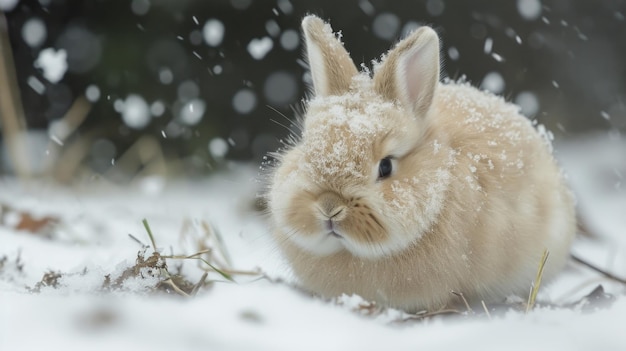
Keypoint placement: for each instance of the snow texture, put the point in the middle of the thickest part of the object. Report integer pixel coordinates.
(351, 119)
(92, 240)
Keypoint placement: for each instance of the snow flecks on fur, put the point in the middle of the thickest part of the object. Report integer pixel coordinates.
(488, 114)
(340, 131)
(436, 146)
(328, 32)
(413, 204)
(484, 112)
(546, 135)
(471, 182)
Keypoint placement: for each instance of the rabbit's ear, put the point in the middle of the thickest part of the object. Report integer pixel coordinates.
(410, 72)
(331, 67)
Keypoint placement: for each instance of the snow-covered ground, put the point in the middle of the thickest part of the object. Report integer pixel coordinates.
(91, 241)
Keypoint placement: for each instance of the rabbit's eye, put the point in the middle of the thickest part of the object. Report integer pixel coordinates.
(384, 168)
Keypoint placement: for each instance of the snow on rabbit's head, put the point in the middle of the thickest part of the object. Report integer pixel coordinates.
(351, 182)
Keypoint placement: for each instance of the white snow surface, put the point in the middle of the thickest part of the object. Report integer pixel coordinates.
(256, 314)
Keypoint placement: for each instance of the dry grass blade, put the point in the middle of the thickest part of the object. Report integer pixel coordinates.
(221, 272)
(486, 309)
(195, 257)
(196, 287)
(421, 316)
(173, 285)
(537, 283)
(238, 272)
(147, 226)
(199, 253)
(219, 241)
(467, 306)
(135, 239)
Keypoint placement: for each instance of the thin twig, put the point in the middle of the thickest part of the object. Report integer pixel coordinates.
(194, 257)
(134, 238)
(430, 314)
(486, 309)
(199, 253)
(209, 231)
(467, 306)
(598, 269)
(175, 287)
(238, 272)
(196, 287)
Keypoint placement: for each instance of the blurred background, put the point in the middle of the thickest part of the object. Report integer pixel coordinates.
(121, 89)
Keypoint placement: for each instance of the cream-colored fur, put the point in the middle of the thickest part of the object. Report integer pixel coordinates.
(474, 198)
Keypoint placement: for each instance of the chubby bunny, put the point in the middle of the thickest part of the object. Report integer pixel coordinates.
(403, 189)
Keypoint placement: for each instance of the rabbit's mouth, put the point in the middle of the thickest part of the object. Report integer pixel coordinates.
(331, 228)
(335, 234)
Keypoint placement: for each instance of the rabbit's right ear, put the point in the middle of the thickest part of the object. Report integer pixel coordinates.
(331, 67)
(410, 71)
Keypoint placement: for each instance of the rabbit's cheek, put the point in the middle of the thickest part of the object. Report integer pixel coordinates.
(317, 238)
(321, 245)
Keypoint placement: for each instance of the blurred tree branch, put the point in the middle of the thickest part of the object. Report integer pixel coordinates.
(11, 110)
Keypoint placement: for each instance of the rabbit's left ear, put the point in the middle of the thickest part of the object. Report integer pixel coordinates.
(331, 67)
(410, 72)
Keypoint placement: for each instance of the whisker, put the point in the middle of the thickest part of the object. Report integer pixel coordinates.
(283, 125)
(279, 113)
(296, 125)
(371, 215)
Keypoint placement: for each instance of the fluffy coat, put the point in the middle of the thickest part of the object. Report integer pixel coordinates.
(473, 199)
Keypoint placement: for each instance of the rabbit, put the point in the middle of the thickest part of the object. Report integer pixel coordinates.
(403, 189)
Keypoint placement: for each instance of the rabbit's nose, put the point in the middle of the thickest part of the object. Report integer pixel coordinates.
(331, 206)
